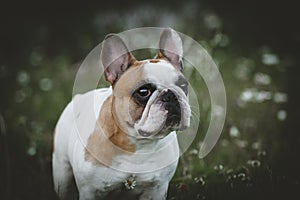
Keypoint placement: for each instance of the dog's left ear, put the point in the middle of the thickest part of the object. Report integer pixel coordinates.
(116, 58)
(170, 47)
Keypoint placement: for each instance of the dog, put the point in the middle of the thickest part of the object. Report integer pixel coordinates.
(124, 143)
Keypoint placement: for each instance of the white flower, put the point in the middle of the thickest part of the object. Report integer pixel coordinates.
(130, 183)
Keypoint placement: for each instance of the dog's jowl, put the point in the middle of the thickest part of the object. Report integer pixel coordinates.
(125, 143)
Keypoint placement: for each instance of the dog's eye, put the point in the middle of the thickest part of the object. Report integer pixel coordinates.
(144, 92)
(183, 84)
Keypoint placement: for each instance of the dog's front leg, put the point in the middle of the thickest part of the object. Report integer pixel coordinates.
(158, 192)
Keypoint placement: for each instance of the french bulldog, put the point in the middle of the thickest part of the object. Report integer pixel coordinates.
(121, 142)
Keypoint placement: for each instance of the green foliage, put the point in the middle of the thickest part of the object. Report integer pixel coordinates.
(38, 80)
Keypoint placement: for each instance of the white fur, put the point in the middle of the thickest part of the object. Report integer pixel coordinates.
(153, 171)
(162, 73)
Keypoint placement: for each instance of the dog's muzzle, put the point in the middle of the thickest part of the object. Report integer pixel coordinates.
(167, 110)
(171, 103)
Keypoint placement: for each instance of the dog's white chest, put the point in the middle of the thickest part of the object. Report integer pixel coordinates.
(137, 172)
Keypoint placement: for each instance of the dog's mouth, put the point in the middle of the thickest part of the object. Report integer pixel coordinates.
(165, 111)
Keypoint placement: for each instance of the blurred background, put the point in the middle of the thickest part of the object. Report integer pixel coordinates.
(254, 43)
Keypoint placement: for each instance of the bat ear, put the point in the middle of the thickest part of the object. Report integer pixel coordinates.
(116, 58)
(170, 48)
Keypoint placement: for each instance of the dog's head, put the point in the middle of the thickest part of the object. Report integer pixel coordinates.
(149, 96)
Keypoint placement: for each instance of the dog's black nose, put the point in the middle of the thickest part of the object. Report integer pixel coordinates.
(168, 96)
(172, 105)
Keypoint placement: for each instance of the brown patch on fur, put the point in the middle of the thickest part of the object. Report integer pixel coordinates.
(127, 107)
(154, 60)
(161, 56)
(136, 112)
(137, 63)
(130, 77)
(108, 139)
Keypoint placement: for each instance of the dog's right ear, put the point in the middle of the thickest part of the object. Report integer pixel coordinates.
(170, 48)
(116, 58)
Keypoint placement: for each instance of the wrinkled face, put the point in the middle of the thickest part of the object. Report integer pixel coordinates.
(150, 99)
